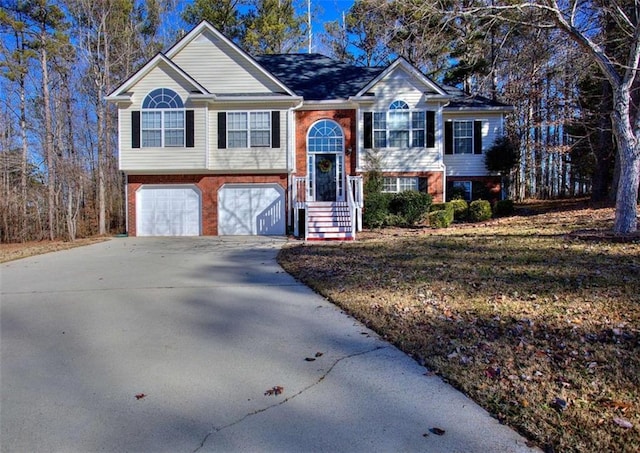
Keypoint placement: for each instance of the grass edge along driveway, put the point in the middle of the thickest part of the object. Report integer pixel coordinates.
(541, 329)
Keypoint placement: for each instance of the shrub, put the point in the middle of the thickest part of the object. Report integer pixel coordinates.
(503, 208)
(479, 211)
(376, 210)
(441, 218)
(460, 209)
(410, 205)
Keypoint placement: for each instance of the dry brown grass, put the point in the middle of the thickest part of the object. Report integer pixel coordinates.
(10, 252)
(515, 312)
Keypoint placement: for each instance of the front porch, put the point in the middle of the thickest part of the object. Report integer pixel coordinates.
(327, 220)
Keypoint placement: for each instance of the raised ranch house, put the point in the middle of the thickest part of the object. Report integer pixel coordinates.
(213, 141)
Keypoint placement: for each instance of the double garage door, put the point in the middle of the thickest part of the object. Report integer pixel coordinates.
(243, 209)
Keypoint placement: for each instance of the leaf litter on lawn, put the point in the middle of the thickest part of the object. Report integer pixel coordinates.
(540, 328)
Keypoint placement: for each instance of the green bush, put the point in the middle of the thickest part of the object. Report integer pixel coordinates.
(376, 210)
(479, 211)
(503, 208)
(441, 218)
(410, 205)
(460, 209)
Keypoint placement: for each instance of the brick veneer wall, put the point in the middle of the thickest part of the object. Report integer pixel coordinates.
(208, 185)
(305, 119)
(492, 184)
(434, 182)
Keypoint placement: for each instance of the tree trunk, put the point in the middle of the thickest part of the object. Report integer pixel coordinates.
(48, 142)
(626, 220)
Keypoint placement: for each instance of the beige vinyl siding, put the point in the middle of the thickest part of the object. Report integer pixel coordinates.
(473, 164)
(221, 69)
(162, 76)
(247, 159)
(398, 85)
(168, 158)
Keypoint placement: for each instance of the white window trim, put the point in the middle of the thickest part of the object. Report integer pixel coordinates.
(455, 138)
(398, 185)
(163, 129)
(411, 129)
(248, 130)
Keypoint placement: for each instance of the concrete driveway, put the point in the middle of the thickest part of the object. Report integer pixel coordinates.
(199, 329)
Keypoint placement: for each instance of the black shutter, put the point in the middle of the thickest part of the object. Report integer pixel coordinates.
(431, 129)
(368, 130)
(477, 137)
(190, 123)
(222, 130)
(135, 129)
(423, 185)
(275, 129)
(448, 137)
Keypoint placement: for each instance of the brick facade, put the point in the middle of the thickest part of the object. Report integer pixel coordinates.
(485, 187)
(208, 185)
(345, 118)
(434, 181)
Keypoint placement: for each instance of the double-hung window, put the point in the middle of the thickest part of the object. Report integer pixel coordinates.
(400, 127)
(463, 137)
(248, 129)
(163, 119)
(399, 184)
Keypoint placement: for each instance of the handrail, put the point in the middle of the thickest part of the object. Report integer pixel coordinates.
(355, 202)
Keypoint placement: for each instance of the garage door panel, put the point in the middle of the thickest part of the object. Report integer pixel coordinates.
(256, 209)
(168, 211)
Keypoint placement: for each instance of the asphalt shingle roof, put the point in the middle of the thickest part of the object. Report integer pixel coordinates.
(317, 77)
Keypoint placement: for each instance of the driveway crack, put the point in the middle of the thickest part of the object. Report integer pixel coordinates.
(287, 399)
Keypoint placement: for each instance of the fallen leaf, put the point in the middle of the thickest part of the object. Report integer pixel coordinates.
(319, 354)
(309, 359)
(559, 404)
(275, 391)
(139, 396)
(437, 431)
(622, 422)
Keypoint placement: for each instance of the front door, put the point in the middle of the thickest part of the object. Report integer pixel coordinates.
(326, 177)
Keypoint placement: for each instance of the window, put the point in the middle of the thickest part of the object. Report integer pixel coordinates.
(463, 137)
(462, 187)
(248, 129)
(163, 119)
(399, 184)
(325, 136)
(399, 127)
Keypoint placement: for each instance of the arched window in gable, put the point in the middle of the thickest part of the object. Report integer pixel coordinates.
(163, 119)
(400, 127)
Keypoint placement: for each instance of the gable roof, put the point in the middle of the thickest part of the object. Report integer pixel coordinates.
(205, 26)
(410, 69)
(316, 77)
(120, 91)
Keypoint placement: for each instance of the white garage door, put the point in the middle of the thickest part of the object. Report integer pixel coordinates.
(168, 211)
(251, 209)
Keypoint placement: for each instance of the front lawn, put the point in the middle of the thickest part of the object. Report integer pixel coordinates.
(540, 327)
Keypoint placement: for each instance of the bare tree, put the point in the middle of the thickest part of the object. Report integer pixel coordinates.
(577, 20)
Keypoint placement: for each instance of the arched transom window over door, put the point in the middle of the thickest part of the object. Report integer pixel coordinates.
(325, 136)
(163, 119)
(325, 146)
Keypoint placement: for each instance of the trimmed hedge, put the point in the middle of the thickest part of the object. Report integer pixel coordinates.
(503, 208)
(441, 215)
(410, 205)
(460, 209)
(441, 218)
(479, 211)
(376, 210)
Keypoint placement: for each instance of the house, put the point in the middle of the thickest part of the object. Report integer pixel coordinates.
(213, 141)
